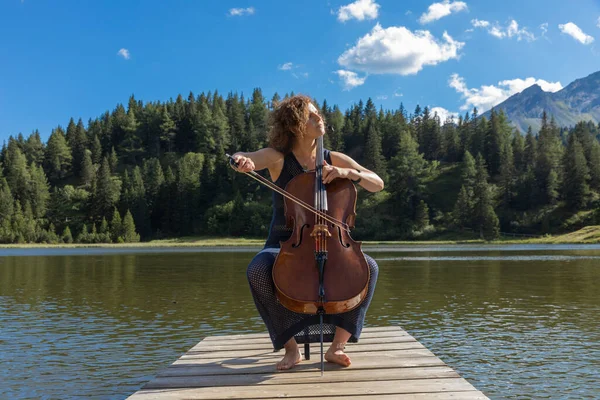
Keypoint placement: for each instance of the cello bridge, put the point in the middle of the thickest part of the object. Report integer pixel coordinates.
(320, 230)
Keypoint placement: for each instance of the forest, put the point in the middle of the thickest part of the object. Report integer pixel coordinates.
(159, 170)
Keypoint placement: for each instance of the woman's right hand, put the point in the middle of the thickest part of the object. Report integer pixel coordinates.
(244, 164)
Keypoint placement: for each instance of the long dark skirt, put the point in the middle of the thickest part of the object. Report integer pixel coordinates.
(282, 323)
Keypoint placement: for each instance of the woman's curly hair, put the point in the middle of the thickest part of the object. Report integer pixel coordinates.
(288, 122)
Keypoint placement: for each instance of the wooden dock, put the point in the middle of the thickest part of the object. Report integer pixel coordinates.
(388, 363)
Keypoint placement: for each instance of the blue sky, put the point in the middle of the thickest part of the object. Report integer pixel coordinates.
(63, 59)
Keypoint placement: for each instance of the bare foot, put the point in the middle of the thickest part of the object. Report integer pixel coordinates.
(338, 357)
(292, 357)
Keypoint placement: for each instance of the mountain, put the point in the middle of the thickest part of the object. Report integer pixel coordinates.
(579, 101)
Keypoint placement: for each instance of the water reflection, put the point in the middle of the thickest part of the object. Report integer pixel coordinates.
(517, 324)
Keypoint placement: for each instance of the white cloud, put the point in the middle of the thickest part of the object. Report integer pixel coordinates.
(382, 97)
(350, 79)
(443, 114)
(286, 67)
(398, 94)
(511, 30)
(598, 22)
(397, 50)
(360, 10)
(124, 53)
(441, 10)
(488, 96)
(544, 28)
(574, 31)
(238, 12)
(478, 23)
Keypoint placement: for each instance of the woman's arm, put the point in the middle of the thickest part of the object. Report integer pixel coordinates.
(259, 160)
(345, 167)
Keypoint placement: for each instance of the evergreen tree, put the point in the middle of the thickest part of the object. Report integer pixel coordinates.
(116, 227)
(129, 234)
(39, 191)
(78, 144)
(67, 237)
(374, 159)
(107, 191)
(594, 165)
(96, 149)
(18, 175)
(463, 208)
(422, 216)
(575, 184)
(484, 218)
(87, 169)
(34, 148)
(113, 161)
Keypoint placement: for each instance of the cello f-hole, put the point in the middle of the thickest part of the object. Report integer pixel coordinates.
(346, 245)
(301, 235)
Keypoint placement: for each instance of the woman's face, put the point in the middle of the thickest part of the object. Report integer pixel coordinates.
(315, 126)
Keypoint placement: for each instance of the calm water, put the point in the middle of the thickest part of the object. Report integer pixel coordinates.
(516, 321)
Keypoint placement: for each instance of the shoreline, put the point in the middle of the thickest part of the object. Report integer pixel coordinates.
(588, 235)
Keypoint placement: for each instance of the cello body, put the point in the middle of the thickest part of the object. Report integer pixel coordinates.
(345, 270)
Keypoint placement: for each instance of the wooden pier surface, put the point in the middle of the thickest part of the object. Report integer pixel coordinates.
(388, 363)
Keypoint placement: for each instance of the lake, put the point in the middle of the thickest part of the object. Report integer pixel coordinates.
(516, 321)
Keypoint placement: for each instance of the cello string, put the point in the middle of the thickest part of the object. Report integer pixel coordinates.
(264, 181)
(293, 198)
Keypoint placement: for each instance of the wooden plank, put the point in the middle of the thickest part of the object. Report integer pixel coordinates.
(268, 365)
(267, 358)
(366, 331)
(169, 394)
(470, 395)
(387, 364)
(312, 390)
(314, 347)
(253, 345)
(285, 378)
(266, 339)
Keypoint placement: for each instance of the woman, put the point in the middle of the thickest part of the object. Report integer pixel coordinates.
(296, 123)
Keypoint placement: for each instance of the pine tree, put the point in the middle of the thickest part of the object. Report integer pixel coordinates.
(576, 172)
(548, 157)
(518, 146)
(409, 170)
(131, 147)
(78, 144)
(87, 169)
(96, 149)
(39, 191)
(107, 191)
(469, 172)
(530, 150)
(116, 227)
(113, 161)
(422, 216)
(17, 174)
(484, 218)
(34, 148)
(594, 165)
(374, 159)
(67, 237)
(58, 156)
(258, 115)
(463, 208)
(129, 234)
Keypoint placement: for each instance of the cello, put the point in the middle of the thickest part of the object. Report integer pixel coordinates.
(320, 269)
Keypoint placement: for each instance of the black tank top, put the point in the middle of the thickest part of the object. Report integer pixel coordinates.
(278, 231)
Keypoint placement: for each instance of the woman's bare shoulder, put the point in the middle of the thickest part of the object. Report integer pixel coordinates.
(274, 160)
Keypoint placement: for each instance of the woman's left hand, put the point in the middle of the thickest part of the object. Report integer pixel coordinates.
(330, 172)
